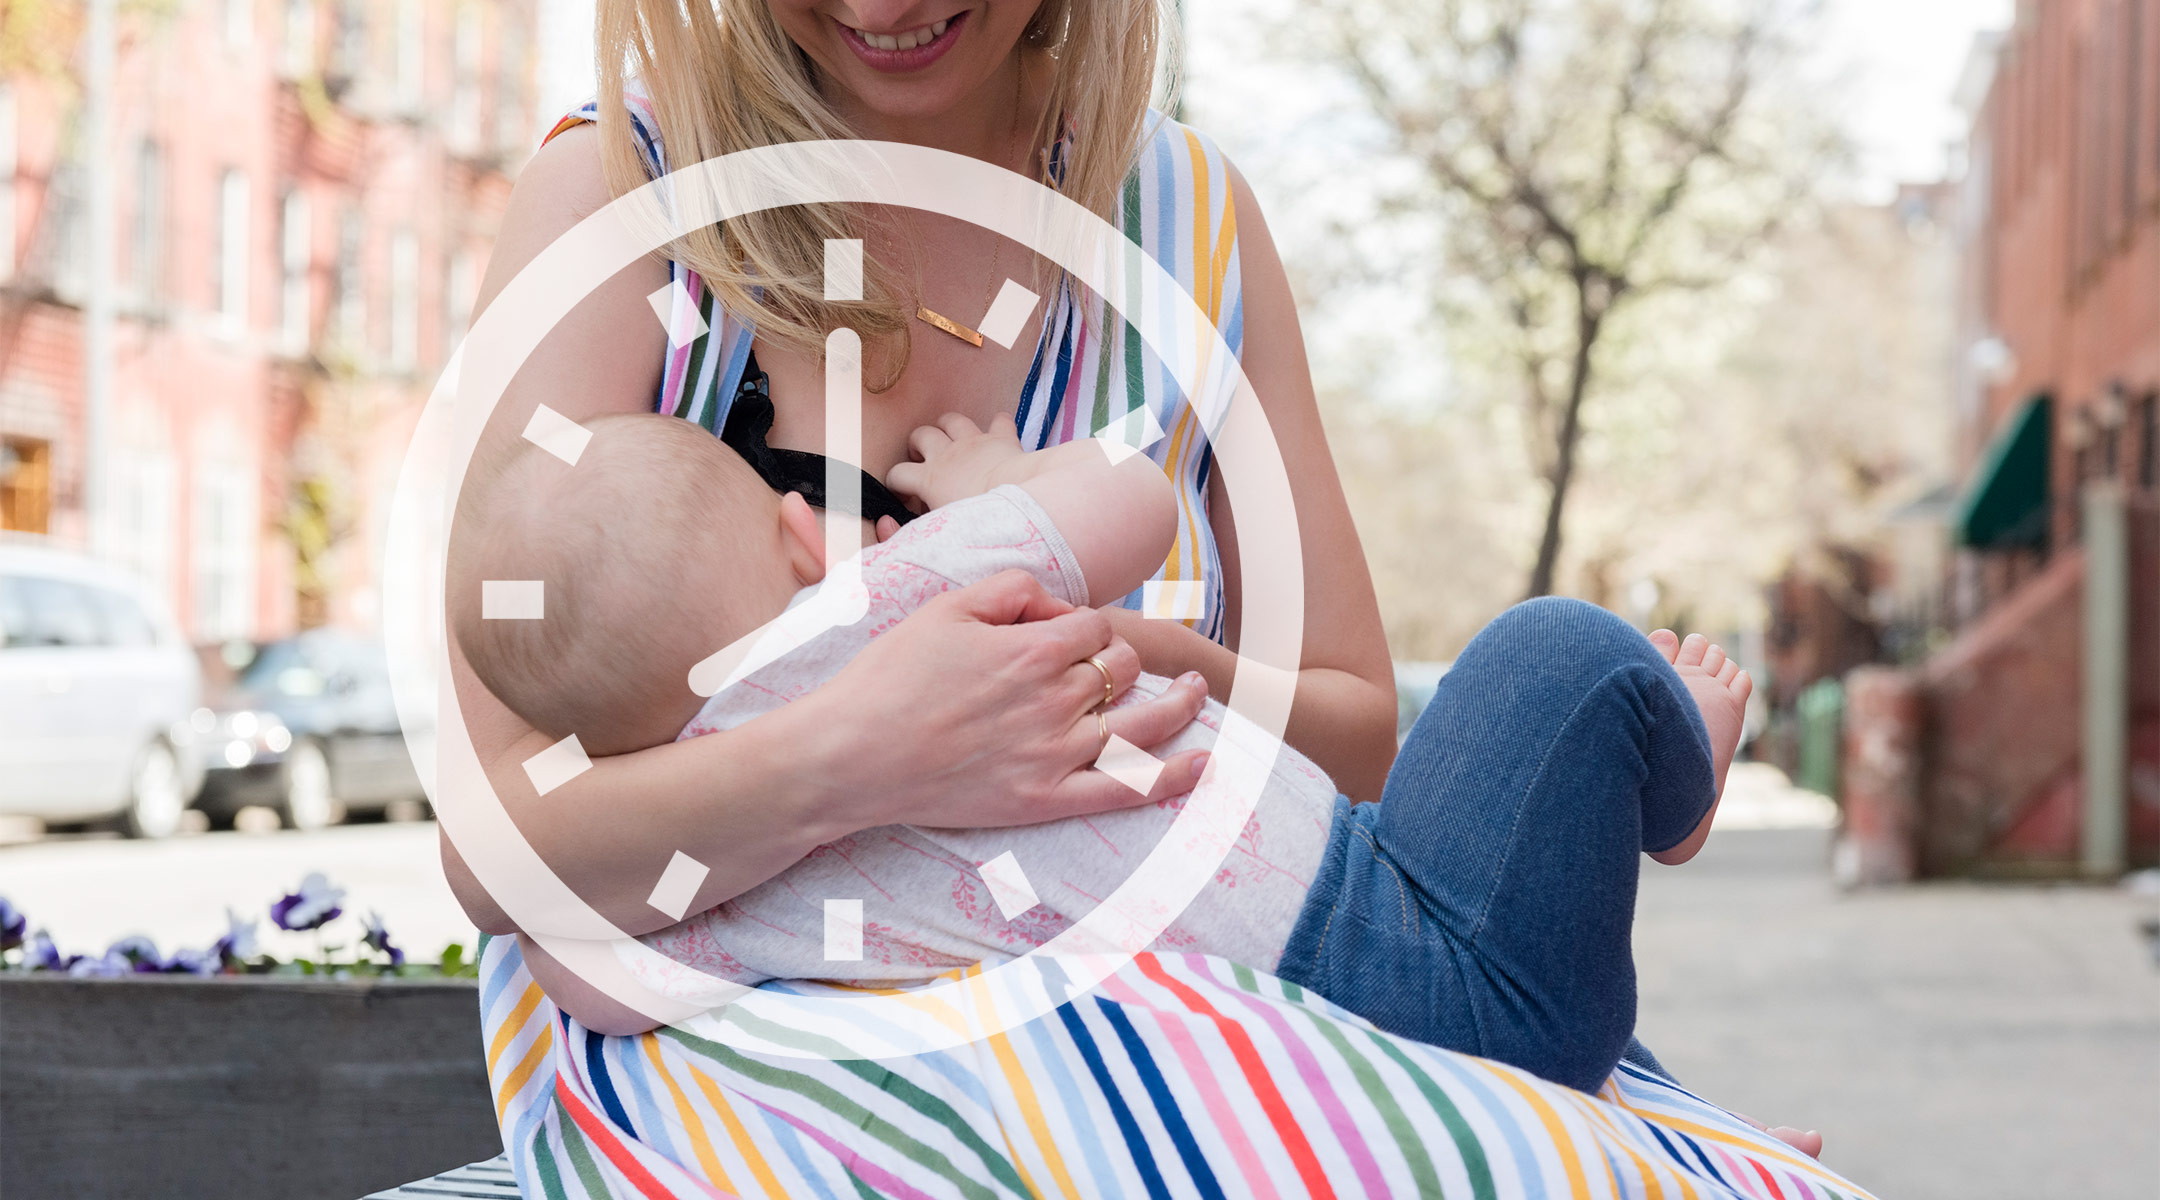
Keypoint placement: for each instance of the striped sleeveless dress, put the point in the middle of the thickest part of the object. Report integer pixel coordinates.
(1090, 371)
(1181, 1075)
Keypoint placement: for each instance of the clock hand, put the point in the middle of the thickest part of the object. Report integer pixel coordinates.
(840, 599)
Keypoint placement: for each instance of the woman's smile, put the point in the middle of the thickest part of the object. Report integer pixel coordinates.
(906, 49)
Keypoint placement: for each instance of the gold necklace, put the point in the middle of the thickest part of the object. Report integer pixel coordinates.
(938, 320)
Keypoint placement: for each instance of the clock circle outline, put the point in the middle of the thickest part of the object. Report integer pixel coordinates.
(986, 1000)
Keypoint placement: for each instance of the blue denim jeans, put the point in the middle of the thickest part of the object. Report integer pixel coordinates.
(1485, 903)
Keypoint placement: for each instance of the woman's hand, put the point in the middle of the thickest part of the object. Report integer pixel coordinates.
(980, 710)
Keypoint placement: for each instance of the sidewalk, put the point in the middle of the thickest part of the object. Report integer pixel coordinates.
(1949, 1040)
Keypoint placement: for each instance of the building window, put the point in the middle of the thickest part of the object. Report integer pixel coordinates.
(65, 253)
(404, 300)
(299, 55)
(411, 78)
(25, 485)
(147, 251)
(2133, 106)
(8, 159)
(232, 251)
(351, 55)
(2149, 456)
(512, 124)
(458, 288)
(238, 23)
(465, 98)
(224, 553)
(143, 505)
(351, 288)
(296, 243)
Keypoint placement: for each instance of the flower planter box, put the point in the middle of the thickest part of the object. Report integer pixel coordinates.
(237, 1087)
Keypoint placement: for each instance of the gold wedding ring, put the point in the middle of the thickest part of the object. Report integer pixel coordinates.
(1109, 688)
(1102, 725)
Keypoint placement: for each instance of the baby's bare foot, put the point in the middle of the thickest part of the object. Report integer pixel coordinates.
(1721, 691)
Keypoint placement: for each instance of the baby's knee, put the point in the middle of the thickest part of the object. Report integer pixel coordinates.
(1556, 628)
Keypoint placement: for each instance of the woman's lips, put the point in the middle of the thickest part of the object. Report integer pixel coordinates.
(906, 49)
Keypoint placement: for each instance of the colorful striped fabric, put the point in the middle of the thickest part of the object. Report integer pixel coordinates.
(1091, 371)
(1181, 1076)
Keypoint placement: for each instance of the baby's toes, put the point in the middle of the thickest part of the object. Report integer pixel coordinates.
(1667, 643)
(1728, 672)
(1691, 651)
(1743, 686)
(1713, 660)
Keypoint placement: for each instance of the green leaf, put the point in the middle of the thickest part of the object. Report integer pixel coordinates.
(453, 958)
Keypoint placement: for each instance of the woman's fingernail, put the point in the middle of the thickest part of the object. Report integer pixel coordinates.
(1200, 765)
(1189, 677)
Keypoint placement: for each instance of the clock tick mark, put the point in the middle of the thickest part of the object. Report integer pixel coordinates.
(1009, 885)
(557, 765)
(843, 930)
(678, 313)
(1129, 765)
(513, 600)
(1173, 600)
(1009, 314)
(678, 885)
(557, 434)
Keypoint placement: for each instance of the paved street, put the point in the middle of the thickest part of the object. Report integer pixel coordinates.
(1948, 1040)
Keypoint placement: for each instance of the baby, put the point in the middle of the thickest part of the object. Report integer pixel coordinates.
(661, 546)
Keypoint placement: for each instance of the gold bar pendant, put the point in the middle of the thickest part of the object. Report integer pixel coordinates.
(949, 325)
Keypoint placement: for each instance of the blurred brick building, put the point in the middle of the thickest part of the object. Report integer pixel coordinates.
(2059, 403)
(306, 193)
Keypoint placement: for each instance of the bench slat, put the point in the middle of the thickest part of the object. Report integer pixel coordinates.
(490, 1180)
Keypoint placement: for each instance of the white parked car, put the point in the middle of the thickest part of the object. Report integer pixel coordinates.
(96, 687)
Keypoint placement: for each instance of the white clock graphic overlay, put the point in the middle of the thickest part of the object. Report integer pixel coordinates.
(776, 1021)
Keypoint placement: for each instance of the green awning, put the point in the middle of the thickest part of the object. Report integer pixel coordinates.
(2006, 505)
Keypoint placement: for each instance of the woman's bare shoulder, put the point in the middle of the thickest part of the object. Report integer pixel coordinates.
(567, 172)
(564, 183)
(606, 356)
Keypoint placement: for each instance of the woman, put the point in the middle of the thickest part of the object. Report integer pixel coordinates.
(1005, 679)
(1057, 90)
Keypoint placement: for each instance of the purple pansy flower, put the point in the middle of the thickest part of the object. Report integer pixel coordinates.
(12, 925)
(377, 939)
(196, 962)
(238, 944)
(138, 952)
(109, 965)
(312, 907)
(43, 955)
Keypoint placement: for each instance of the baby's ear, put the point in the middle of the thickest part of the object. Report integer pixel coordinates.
(803, 535)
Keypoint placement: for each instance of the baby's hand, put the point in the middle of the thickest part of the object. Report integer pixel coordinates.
(954, 459)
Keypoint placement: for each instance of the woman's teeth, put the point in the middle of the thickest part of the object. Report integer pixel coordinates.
(903, 41)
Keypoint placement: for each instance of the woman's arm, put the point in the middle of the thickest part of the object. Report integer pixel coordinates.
(998, 671)
(1344, 715)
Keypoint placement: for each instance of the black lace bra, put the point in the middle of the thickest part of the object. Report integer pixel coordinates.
(749, 424)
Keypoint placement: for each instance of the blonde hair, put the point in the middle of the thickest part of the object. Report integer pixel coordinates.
(723, 76)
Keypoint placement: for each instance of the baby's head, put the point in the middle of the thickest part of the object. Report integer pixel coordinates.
(658, 548)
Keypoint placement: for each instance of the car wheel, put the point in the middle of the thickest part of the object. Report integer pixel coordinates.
(155, 798)
(308, 803)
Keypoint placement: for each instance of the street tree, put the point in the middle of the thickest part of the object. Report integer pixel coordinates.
(1576, 160)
